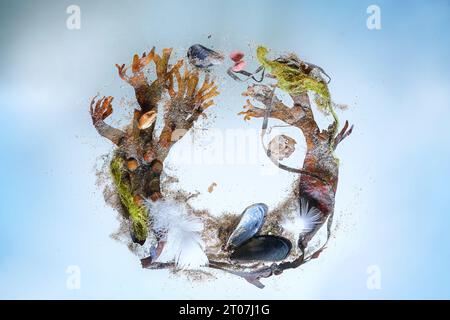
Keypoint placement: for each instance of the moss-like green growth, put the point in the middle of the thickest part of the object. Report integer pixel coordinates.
(138, 214)
(293, 80)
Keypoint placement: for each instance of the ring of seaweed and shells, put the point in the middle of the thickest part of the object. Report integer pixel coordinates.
(159, 225)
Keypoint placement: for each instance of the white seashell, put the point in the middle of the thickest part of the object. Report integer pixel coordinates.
(146, 120)
(281, 147)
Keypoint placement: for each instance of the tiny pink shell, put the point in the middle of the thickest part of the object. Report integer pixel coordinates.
(236, 55)
(239, 66)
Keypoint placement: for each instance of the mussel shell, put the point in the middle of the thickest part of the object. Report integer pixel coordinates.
(263, 248)
(203, 57)
(251, 222)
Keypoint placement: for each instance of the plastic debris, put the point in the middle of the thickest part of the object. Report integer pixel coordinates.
(236, 55)
(239, 66)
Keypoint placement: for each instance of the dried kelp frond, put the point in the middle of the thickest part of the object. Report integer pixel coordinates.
(187, 102)
(148, 94)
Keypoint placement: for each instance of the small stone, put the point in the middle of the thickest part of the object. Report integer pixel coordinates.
(149, 156)
(157, 167)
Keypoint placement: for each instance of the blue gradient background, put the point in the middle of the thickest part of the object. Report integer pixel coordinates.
(393, 197)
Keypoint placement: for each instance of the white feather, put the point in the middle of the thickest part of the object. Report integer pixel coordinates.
(303, 222)
(181, 232)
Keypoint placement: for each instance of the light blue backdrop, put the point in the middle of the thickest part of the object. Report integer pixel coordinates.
(393, 198)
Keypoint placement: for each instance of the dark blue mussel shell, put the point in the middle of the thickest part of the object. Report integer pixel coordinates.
(135, 240)
(263, 248)
(203, 57)
(252, 220)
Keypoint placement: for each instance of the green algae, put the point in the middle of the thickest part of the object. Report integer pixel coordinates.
(138, 214)
(293, 81)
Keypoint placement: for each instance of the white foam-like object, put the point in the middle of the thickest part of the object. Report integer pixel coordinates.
(181, 232)
(303, 222)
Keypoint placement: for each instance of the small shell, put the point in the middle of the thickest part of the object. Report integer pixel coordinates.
(138, 200)
(132, 164)
(146, 120)
(212, 187)
(251, 222)
(263, 248)
(281, 147)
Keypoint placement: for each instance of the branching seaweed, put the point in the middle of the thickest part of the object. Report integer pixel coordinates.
(139, 158)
